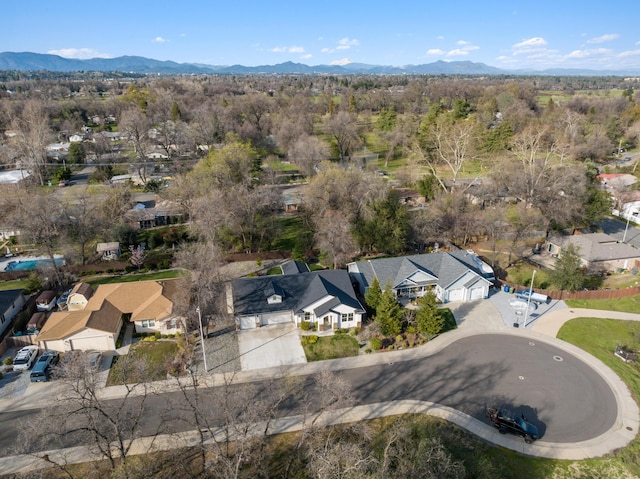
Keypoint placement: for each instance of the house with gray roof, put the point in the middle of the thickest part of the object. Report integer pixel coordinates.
(325, 298)
(598, 252)
(455, 276)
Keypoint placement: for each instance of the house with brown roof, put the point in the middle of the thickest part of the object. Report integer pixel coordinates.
(97, 325)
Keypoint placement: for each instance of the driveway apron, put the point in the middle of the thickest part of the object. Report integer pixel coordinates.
(269, 346)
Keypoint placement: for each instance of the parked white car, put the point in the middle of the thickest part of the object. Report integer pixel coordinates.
(25, 358)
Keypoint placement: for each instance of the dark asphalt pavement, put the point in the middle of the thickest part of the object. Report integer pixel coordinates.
(560, 394)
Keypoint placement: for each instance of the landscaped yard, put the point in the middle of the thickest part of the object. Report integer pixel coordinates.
(146, 361)
(630, 304)
(600, 337)
(332, 347)
(127, 278)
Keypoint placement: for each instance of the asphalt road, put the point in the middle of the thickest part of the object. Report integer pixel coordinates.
(562, 396)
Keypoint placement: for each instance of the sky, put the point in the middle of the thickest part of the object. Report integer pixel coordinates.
(510, 35)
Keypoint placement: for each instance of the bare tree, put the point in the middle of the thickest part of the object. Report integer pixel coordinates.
(135, 125)
(308, 152)
(32, 136)
(40, 218)
(83, 418)
(343, 129)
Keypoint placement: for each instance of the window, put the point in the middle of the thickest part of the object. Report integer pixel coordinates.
(148, 323)
(307, 316)
(347, 317)
(171, 324)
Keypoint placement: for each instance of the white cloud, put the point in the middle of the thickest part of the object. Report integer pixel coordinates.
(637, 43)
(435, 51)
(462, 42)
(346, 41)
(182, 35)
(306, 56)
(344, 61)
(292, 49)
(604, 38)
(327, 50)
(531, 42)
(630, 53)
(159, 40)
(458, 52)
(79, 53)
(588, 53)
(440, 37)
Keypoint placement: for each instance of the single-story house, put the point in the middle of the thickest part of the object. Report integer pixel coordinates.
(11, 303)
(598, 252)
(109, 251)
(148, 304)
(455, 276)
(325, 298)
(628, 205)
(163, 213)
(616, 181)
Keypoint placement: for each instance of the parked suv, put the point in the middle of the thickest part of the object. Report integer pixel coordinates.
(507, 422)
(25, 358)
(42, 367)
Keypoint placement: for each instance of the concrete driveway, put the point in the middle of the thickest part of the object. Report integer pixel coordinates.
(269, 346)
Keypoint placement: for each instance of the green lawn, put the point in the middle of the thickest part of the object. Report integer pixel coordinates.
(599, 337)
(630, 304)
(127, 278)
(13, 284)
(291, 229)
(332, 347)
(146, 361)
(449, 320)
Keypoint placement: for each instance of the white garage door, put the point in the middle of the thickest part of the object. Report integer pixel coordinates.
(456, 295)
(100, 343)
(276, 318)
(247, 322)
(477, 293)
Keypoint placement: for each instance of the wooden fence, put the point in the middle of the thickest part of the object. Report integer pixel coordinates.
(591, 294)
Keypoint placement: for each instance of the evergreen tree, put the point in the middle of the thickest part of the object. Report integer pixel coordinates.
(389, 313)
(430, 321)
(373, 295)
(568, 274)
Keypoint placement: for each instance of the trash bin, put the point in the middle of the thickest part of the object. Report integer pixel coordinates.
(506, 288)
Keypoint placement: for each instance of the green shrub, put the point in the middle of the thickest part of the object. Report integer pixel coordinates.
(355, 331)
(368, 351)
(8, 361)
(399, 338)
(376, 344)
(312, 339)
(412, 330)
(157, 334)
(305, 325)
(340, 331)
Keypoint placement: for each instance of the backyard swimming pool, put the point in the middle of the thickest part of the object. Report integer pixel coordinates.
(28, 264)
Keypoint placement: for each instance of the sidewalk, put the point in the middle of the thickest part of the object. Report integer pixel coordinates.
(480, 317)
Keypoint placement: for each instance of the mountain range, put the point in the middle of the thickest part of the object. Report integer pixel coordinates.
(27, 61)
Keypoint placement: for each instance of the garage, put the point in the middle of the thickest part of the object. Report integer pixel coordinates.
(100, 343)
(477, 293)
(276, 318)
(456, 295)
(247, 322)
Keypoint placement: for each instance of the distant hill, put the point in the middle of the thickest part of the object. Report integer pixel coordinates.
(27, 61)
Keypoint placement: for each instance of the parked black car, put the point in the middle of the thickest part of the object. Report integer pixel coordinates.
(507, 422)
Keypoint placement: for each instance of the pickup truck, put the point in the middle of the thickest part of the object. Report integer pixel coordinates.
(507, 422)
(537, 297)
